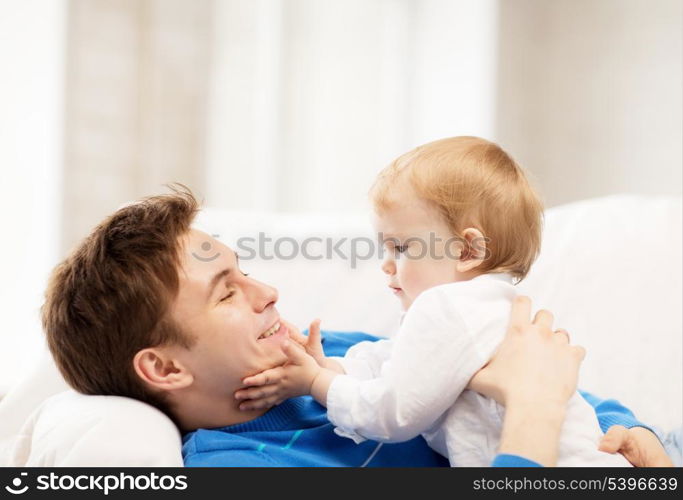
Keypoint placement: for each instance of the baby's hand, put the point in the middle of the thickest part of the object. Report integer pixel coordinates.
(312, 344)
(271, 387)
(638, 445)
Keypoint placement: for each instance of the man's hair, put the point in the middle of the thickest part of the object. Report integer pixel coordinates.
(110, 298)
(473, 183)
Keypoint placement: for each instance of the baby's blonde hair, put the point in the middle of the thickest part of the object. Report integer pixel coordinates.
(473, 183)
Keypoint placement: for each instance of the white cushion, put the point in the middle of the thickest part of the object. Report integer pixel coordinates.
(73, 430)
(38, 384)
(610, 270)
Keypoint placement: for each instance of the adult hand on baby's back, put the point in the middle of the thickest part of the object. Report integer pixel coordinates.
(533, 364)
(533, 374)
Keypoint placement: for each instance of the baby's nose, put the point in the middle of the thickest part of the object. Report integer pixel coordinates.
(389, 266)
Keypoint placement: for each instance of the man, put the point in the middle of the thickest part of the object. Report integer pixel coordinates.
(137, 311)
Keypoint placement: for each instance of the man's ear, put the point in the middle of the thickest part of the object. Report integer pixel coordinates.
(158, 368)
(474, 250)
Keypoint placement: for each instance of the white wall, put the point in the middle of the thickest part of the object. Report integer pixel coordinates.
(590, 94)
(136, 90)
(31, 92)
(309, 98)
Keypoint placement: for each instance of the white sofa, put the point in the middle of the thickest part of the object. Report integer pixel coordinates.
(610, 270)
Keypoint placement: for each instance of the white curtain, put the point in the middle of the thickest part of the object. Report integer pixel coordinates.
(309, 99)
(31, 92)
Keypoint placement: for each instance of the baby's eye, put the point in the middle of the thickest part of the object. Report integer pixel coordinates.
(228, 296)
(401, 248)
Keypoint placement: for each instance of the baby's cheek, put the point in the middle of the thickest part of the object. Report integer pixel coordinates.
(433, 273)
(417, 277)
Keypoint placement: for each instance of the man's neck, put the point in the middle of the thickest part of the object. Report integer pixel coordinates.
(200, 411)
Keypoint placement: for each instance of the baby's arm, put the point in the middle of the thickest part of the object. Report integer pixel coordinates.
(433, 358)
(364, 360)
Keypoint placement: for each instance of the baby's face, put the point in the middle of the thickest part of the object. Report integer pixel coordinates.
(420, 251)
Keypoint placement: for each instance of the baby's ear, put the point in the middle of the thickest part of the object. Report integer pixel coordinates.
(474, 250)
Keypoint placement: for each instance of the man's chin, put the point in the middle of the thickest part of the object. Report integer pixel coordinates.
(272, 353)
(277, 358)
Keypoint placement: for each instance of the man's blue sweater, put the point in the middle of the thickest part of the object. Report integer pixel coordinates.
(297, 433)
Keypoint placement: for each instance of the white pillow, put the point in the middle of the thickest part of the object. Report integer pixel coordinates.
(610, 270)
(73, 430)
(38, 384)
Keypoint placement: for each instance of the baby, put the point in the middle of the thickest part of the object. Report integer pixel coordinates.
(460, 224)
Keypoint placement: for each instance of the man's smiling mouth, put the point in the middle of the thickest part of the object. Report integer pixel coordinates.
(268, 333)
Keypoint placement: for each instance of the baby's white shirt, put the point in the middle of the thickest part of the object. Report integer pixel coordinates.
(396, 389)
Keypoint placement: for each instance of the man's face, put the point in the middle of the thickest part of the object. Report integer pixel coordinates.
(231, 316)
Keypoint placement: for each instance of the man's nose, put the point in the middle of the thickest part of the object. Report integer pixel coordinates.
(261, 295)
